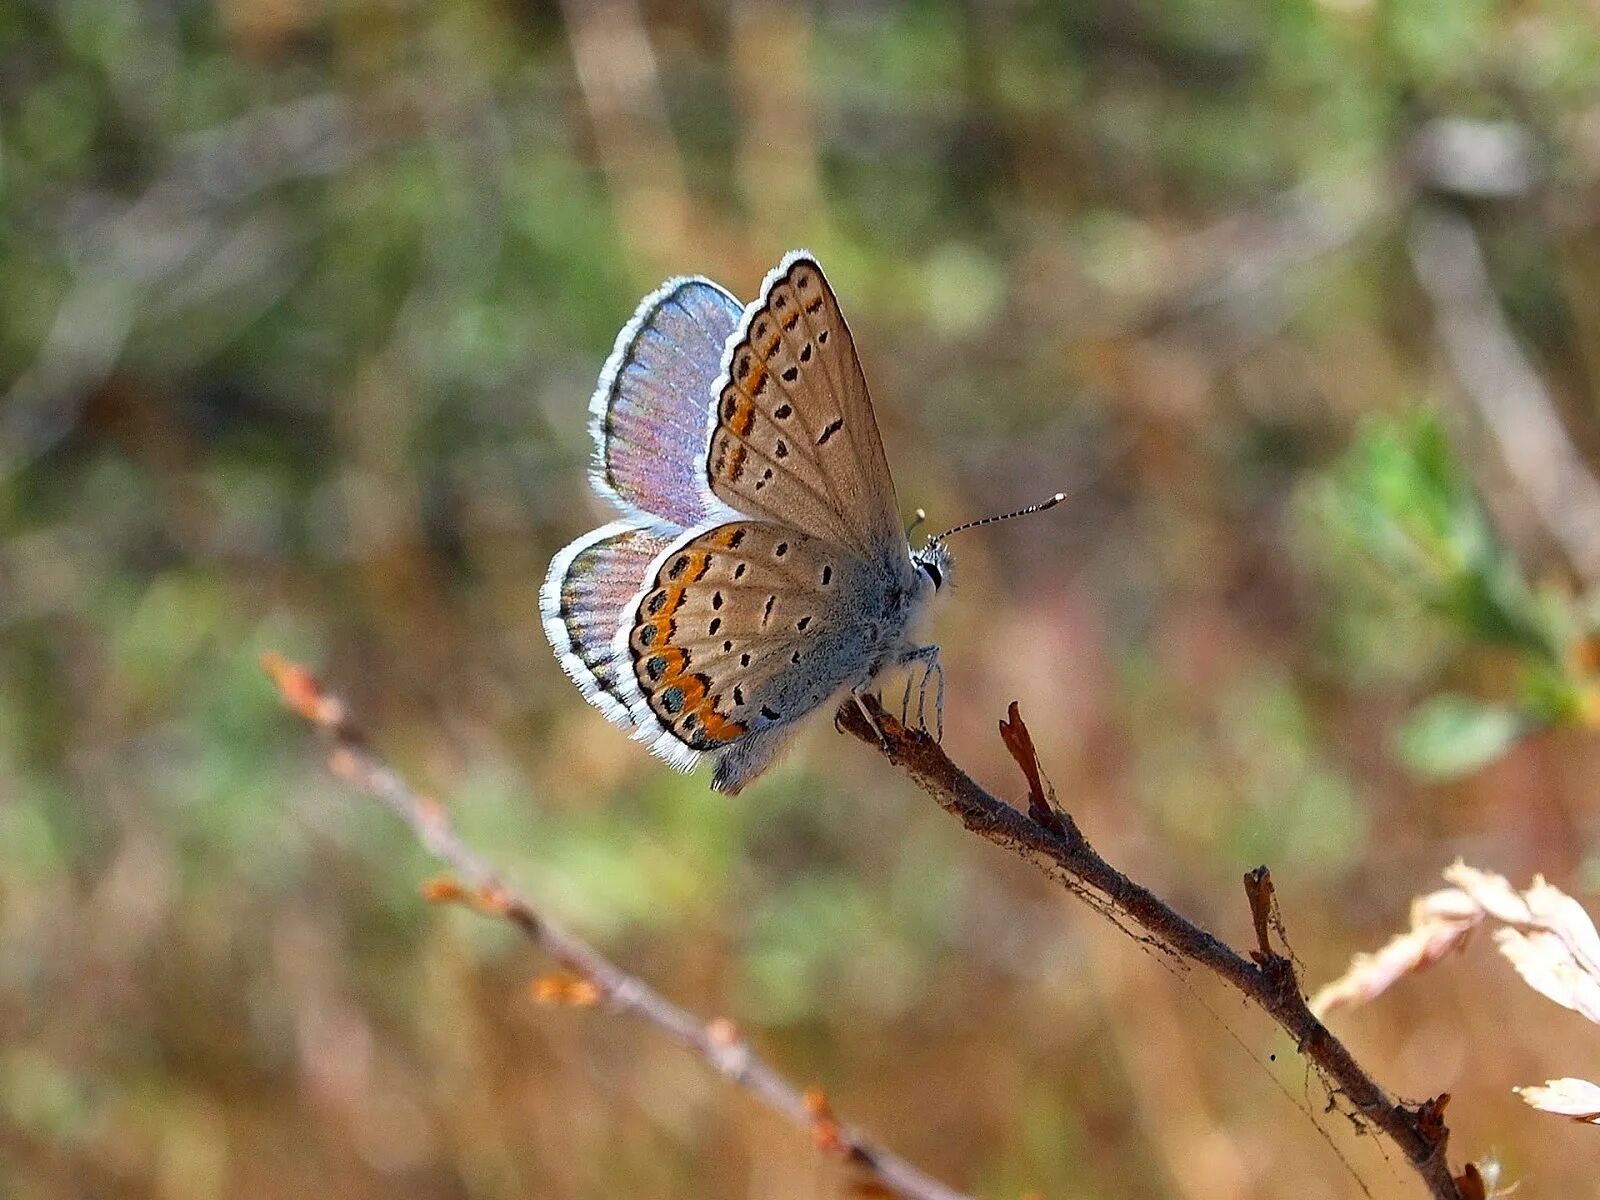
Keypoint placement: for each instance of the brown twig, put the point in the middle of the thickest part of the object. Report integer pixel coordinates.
(1050, 840)
(594, 979)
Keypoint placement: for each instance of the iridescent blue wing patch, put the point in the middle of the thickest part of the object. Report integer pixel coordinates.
(649, 414)
(589, 586)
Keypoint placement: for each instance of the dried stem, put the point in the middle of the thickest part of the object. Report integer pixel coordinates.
(1044, 835)
(1049, 839)
(1501, 382)
(717, 1042)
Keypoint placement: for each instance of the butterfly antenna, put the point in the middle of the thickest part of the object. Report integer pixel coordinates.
(917, 518)
(1021, 512)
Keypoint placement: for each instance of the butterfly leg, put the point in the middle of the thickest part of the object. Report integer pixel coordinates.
(928, 658)
(856, 694)
(933, 671)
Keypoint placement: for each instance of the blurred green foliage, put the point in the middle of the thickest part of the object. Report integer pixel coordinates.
(1401, 497)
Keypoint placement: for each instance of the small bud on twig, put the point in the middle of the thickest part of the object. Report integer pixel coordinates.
(562, 989)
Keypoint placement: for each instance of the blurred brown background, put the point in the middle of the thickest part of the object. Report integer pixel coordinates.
(300, 306)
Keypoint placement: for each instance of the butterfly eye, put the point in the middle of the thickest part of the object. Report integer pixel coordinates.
(934, 574)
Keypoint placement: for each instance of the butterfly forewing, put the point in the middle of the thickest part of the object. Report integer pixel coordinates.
(650, 410)
(745, 627)
(585, 598)
(794, 437)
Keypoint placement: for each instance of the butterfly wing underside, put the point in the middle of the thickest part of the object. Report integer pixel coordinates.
(742, 629)
(650, 410)
(585, 599)
(793, 437)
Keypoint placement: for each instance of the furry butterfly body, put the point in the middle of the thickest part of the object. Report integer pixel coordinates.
(760, 571)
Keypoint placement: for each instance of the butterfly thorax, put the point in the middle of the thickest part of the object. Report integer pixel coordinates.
(905, 599)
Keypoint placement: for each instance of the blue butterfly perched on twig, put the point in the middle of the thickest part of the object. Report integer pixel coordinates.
(760, 569)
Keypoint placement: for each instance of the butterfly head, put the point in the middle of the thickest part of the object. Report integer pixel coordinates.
(933, 563)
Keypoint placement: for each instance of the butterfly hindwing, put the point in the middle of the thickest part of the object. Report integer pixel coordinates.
(649, 412)
(742, 629)
(793, 436)
(585, 598)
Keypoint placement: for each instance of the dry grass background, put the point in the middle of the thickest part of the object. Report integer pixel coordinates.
(301, 306)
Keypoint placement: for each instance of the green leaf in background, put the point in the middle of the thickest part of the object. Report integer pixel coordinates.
(1451, 735)
(1404, 501)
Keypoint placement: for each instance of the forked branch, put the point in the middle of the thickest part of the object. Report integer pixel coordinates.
(597, 980)
(1043, 835)
(1048, 838)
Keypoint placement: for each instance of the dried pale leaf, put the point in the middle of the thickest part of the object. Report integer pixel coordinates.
(1547, 965)
(1493, 893)
(1440, 922)
(1565, 917)
(1575, 1098)
(1447, 904)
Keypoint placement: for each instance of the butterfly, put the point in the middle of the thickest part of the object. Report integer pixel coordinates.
(759, 570)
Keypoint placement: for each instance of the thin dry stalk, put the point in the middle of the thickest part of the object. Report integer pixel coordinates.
(1501, 382)
(594, 980)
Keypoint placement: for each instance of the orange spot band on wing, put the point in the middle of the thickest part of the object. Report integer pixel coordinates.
(717, 727)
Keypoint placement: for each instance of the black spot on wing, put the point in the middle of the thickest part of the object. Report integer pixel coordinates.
(832, 428)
